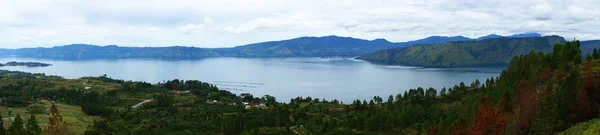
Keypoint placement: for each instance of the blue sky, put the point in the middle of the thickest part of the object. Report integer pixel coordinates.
(226, 23)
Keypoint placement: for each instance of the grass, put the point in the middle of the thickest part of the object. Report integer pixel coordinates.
(75, 118)
(591, 127)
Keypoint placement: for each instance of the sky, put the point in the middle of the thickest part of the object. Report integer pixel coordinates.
(227, 23)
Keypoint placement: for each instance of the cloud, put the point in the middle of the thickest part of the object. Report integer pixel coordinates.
(226, 23)
(152, 29)
(542, 12)
(189, 28)
(208, 20)
(47, 33)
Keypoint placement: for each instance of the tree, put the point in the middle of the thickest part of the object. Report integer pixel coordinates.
(269, 99)
(443, 91)
(32, 126)
(57, 125)
(2, 129)
(596, 54)
(588, 58)
(487, 120)
(16, 128)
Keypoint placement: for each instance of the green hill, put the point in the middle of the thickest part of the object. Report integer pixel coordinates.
(463, 53)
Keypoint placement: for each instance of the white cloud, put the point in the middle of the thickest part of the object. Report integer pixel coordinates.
(208, 20)
(542, 12)
(47, 33)
(225, 23)
(189, 28)
(152, 29)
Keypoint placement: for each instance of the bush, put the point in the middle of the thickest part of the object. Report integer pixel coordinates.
(38, 110)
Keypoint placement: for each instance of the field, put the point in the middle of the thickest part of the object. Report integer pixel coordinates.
(73, 115)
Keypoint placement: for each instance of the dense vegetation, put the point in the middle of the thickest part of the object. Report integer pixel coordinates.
(464, 53)
(27, 64)
(327, 46)
(538, 93)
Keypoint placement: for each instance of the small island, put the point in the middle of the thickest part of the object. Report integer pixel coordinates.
(27, 64)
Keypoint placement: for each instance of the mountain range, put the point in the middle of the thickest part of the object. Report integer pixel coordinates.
(486, 52)
(326, 46)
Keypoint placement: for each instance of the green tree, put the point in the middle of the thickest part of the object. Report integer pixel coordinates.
(16, 128)
(2, 129)
(566, 97)
(32, 126)
(443, 91)
(596, 54)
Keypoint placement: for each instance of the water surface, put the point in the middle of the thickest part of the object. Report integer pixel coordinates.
(285, 78)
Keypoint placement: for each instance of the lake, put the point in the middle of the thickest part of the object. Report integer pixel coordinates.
(344, 79)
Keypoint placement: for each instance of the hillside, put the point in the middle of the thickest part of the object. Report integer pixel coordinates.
(589, 46)
(82, 51)
(495, 51)
(327, 46)
(539, 93)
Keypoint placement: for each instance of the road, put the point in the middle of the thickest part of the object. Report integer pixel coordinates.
(141, 103)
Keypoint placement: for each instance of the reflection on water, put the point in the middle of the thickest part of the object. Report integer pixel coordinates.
(285, 78)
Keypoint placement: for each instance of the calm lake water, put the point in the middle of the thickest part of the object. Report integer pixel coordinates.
(285, 78)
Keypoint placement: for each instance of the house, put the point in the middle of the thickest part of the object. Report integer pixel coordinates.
(256, 106)
(179, 92)
(211, 101)
(87, 87)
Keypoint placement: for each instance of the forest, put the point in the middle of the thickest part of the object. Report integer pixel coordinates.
(538, 93)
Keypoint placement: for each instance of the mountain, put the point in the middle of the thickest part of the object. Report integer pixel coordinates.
(522, 35)
(489, 36)
(463, 53)
(588, 46)
(525, 35)
(435, 40)
(326, 46)
(83, 51)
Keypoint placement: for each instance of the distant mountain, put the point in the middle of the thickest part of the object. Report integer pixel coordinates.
(522, 35)
(83, 51)
(327, 46)
(436, 40)
(489, 36)
(463, 53)
(588, 46)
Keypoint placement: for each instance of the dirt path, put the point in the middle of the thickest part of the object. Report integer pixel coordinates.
(141, 103)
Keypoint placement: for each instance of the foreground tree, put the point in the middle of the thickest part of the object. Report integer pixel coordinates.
(2, 129)
(57, 125)
(16, 128)
(32, 127)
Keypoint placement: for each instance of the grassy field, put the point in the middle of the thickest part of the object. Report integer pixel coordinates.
(585, 128)
(75, 118)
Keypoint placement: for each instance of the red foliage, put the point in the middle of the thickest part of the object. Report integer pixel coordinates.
(432, 131)
(458, 128)
(589, 75)
(526, 106)
(487, 119)
(584, 109)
